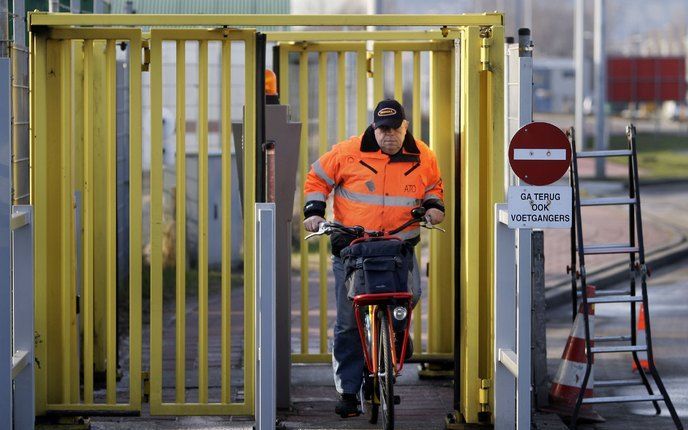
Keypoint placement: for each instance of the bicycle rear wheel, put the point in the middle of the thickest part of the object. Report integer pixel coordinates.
(386, 373)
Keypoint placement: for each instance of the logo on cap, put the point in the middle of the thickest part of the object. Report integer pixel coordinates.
(386, 112)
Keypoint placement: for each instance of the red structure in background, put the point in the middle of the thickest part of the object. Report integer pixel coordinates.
(646, 79)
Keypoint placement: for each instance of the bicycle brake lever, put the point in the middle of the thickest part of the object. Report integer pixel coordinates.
(322, 229)
(432, 227)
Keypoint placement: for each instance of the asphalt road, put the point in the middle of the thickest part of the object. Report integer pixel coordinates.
(668, 303)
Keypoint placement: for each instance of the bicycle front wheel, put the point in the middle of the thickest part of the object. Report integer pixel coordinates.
(386, 373)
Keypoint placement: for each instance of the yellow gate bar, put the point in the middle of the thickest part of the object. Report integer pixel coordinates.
(168, 20)
(180, 220)
(361, 91)
(39, 199)
(471, 246)
(322, 148)
(156, 220)
(416, 127)
(135, 216)
(442, 141)
(203, 222)
(357, 36)
(226, 110)
(66, 213)
(87, 284)
(341, 96)
(111, 221)
(398, 78)
(378, 74)
(303, 168)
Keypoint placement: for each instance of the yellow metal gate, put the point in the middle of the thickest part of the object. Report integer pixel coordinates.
(73, 190)
(73, 186)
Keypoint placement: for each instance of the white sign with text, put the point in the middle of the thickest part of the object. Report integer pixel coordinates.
(539, 207)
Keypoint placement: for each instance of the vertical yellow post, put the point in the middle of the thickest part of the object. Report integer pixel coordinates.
(249, 223)
(341, 96)
(361, 91)
(156, 223)
(398, 77)
(77, 184)
(226, 109)
(180, 218)
(87, 284)
(471, 245)
(441, 279)
(39, 152)
(416, 127)
(303, 169)
(203, 221)
(378, 74)
(135, 215)
(111, 222)
(493, 140)
(322, 148)
(66, 229)
(99, 193)
(53, 336)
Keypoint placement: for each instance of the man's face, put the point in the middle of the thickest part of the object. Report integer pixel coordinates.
(391, 139)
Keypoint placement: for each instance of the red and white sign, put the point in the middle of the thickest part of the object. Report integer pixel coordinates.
(539, 153)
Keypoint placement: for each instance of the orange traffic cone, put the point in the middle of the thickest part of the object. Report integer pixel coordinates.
(569, 378)
(641, 340)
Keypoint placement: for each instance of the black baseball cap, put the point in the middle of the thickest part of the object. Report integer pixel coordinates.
(388, 113)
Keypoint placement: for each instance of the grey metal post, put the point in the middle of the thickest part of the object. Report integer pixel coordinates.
(5, 272)
(600, 59)
(539, 336)
(286, 135)
(265, 307)
(579, 54)
(23, 350)
(512, 365)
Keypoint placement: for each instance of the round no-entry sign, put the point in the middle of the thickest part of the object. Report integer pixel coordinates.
(539, 153)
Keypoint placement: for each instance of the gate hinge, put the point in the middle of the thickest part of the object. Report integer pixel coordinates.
(145, 65)
(484, 395)
(485, 43)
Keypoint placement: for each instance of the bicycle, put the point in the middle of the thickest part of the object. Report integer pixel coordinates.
(386, 305)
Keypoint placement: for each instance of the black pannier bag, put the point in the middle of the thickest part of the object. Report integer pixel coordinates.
(377, 266)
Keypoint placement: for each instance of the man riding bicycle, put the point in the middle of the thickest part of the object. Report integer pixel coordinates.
(377, 179)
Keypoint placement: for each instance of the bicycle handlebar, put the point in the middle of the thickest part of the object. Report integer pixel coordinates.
(328, 227)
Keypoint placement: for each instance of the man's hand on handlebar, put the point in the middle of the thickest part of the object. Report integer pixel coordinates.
(312, 223)
(434, 216)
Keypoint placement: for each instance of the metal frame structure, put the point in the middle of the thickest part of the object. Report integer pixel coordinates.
(16, 287)
(635, 248)
(512, 306)
(466, 83)
(266, 285)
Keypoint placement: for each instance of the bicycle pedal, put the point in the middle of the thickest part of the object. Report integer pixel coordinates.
(397, 400)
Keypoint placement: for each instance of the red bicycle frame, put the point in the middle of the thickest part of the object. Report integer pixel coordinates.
(376, 300)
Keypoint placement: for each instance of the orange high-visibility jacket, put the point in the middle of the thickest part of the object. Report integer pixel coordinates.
(373, 189)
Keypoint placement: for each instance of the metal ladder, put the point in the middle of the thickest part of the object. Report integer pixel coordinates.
(636, 251)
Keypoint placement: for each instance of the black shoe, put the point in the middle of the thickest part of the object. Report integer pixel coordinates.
(399, 342)
(347, 406)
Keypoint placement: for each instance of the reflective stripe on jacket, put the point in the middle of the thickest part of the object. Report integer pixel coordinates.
(371, 188)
